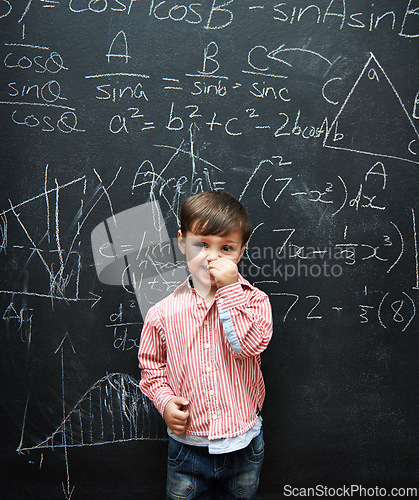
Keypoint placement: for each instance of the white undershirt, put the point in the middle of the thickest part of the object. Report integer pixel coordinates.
(223, 445)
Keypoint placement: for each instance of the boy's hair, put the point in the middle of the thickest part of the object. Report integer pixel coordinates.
(214, 212)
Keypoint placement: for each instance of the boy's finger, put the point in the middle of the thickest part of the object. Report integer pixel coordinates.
(180, 419)
(178, 430)
(182, 415)
(180, 402)
(215, 263)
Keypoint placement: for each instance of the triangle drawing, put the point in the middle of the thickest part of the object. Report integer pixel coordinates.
(373, 119)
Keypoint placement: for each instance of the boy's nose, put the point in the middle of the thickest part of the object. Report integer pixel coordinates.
(212, 255)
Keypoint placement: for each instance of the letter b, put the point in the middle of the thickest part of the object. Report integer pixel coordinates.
(214, 47)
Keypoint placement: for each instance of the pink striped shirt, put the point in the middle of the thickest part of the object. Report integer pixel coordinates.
(208, 354)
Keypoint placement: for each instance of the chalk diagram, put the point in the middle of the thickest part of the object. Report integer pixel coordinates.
(59, 261)
(379, 126)
(112, 410)
(50, 254)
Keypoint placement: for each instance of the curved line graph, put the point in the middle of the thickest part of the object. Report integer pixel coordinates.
(113, 410)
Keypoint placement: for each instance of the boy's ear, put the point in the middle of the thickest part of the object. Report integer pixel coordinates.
(242, 250)
(181, 242)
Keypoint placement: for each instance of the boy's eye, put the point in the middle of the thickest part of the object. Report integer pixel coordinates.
(227, 248)
(200, 244)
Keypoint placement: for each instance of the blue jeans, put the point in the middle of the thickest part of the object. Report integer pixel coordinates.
(194, 473)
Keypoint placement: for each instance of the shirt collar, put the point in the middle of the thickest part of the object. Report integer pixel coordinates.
(187, 284)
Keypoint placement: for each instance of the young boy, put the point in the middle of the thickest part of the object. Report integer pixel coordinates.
(199, 357)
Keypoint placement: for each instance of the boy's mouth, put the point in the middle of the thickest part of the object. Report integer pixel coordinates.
(207, 272)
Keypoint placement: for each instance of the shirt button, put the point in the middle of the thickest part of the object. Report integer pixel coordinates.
(205, 322)
(214, 417)
(221, 301)
(208, 369)
(211, 392)
(207, 346)
(199, 302)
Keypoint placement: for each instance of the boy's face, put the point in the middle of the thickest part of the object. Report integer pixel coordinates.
(201, 251)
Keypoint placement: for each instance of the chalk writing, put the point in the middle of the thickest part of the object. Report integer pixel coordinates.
(339, 14)
(114, 112)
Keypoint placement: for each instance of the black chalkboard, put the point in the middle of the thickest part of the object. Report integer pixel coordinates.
(308, 113)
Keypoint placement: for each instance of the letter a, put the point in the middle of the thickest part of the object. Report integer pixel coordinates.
(380, 171)
(336, 14)
(123, 44)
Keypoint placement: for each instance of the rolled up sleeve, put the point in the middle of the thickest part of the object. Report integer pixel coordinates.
(247, 321)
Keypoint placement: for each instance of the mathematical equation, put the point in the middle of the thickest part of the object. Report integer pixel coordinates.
(126, 335)
(137, 104)
(220, 14)
(392, 310)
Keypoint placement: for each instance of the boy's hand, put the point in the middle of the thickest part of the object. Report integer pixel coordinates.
(225, 271)
(176, 415)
